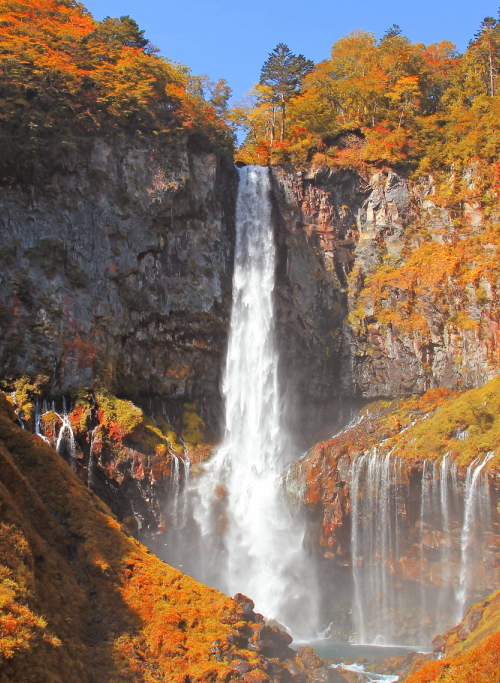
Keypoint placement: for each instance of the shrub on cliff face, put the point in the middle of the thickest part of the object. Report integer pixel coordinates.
(467, 426)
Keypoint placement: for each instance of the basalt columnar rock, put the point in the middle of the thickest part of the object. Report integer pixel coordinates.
(117, 271)
(350, 332)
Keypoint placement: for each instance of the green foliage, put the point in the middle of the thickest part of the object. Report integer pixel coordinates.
(121, 417)
(476, 412)
(112, 33)
(194, 429)
(284, 72)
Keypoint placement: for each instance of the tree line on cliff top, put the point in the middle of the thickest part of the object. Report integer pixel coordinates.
(402, 103)
(64, 75)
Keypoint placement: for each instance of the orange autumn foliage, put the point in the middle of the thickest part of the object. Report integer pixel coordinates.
(481, 664)
(64, 75)
(80, 600)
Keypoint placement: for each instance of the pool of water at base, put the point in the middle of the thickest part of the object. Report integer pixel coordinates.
(350, 654)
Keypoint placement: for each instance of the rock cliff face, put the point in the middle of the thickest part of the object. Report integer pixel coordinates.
(338, 229)
(315, 253)
(118, 272)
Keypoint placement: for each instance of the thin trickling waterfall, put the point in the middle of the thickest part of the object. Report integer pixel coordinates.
(374, 545)
(175, 485)
(38, 416)
(437, 567)
(91, 463)
(240, 498)
(66, 438)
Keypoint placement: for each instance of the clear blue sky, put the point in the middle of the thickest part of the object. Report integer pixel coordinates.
(232, 38)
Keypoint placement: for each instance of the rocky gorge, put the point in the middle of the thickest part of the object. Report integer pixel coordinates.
(116, 296)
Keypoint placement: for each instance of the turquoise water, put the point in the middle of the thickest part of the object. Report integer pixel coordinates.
(349, 652)
(350, 655)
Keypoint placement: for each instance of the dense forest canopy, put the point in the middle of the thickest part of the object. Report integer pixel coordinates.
(372, 103)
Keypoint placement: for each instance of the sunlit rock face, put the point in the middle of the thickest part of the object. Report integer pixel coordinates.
(118, 269)
(336, 229)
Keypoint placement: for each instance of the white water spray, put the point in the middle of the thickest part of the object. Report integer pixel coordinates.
(240, 491)
(66, 438)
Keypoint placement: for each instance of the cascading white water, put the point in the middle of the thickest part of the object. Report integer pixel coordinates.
(374, 545)
(66, 438)
(39, 412)
(175, 485)
(473, 500)
(240, 499)
(91, 461)
(437, 564)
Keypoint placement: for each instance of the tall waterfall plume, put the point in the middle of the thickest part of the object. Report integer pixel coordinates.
(251, 542)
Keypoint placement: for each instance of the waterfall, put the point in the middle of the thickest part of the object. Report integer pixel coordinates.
(185, 502)
(38, 416)
(91, 463)
(474, 499)
(374, 545)
(175, 484)
(439, 529)
(66, 438)
(241, 509)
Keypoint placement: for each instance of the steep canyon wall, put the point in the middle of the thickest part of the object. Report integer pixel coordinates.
(118, 271)
(340, 232)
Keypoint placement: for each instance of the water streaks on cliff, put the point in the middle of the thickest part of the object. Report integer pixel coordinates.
(437, 579)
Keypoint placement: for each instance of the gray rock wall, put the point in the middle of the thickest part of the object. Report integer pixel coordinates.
(119, 271)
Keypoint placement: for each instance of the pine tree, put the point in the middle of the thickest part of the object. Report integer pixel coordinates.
(283, 72)
(485, 50)
(393, 31)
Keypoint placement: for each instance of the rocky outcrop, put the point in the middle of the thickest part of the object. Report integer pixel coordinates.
(471, 647)
(117, 271)
(480, 621)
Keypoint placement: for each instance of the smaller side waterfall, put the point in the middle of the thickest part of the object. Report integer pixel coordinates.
(374, 545)
(66, 439)
(91, 463)
(476, 504)
(413, 569)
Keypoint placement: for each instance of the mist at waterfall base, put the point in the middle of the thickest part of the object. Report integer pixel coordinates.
(240, 535)
(419, 539)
